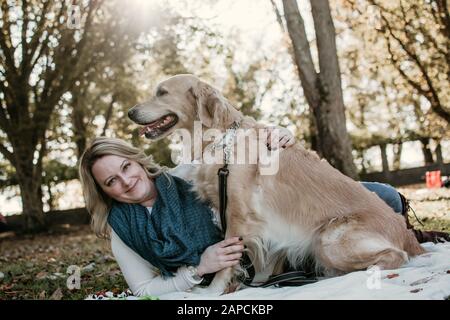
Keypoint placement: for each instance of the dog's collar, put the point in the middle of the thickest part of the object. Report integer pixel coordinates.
(227, 141)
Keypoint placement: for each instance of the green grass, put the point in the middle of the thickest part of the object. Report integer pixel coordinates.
(431, 224)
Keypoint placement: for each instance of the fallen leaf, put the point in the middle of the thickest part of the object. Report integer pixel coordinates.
(42, 295)
(101, 292)
(105, 259)
(57, 295)
(416, 290)
(116, 290)
(393, 275)
(41, 275)
(6, 287)
(90, 267)
(12, 292)
(114, 273)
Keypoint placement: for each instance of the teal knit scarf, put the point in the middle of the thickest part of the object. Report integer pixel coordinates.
(178, 230)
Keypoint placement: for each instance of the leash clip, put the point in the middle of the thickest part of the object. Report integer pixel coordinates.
(223, 172)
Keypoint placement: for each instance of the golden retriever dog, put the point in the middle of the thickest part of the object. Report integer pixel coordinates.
(308, 208)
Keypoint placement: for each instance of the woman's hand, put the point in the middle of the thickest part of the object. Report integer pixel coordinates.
(279, 137)
(221, 255)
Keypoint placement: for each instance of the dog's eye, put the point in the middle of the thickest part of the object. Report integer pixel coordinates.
(161, 92)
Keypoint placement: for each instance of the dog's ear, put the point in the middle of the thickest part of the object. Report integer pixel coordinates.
(213, 110)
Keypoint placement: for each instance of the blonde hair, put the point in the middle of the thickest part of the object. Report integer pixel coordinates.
(98, 203)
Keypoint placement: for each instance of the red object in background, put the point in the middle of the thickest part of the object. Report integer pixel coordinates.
(2, 219)
(433, 179)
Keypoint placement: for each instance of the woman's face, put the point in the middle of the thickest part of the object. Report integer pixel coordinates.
(123, 179)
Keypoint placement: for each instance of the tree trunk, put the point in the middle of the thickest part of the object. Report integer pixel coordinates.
(363, 161)
(79, 130)
(427, 154)
(384, 158)
(108, 114)
(322, 90)
(438, 152)
(397, 155)
(30, 192)
(50, 201)
(314, 137)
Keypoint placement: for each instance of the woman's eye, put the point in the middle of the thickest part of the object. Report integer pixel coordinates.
(110, 182)
(125, 167)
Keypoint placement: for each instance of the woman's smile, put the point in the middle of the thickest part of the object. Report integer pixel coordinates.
(132, 187)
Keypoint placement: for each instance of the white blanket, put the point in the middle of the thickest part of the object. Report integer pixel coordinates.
(423, 277)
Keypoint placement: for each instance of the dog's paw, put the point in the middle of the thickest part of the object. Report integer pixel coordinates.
(232, 287)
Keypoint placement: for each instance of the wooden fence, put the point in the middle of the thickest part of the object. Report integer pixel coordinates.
(405, 177)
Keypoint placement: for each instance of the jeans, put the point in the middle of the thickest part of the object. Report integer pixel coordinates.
(387, 193)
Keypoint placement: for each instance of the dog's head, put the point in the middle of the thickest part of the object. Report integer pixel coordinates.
(178, 102)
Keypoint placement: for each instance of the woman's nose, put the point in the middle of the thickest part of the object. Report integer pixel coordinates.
(126, 181)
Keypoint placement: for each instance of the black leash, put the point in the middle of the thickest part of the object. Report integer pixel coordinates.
(406, 207)
(223, 197)
(287, 279)
(293, 278)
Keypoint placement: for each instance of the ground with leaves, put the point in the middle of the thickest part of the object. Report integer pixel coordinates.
(432, 207)
(35, 267)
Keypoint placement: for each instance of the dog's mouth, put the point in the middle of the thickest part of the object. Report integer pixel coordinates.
(158, 127)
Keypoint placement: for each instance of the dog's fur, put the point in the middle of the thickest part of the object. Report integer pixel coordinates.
(307, 208)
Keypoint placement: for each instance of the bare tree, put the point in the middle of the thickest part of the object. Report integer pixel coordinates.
(322, 89)
(417, 35)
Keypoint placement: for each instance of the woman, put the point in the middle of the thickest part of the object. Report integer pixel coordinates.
(162, 237)
(122, 189)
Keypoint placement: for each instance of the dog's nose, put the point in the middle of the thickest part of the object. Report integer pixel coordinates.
(131, 113)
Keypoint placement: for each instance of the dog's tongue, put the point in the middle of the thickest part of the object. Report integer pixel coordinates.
(143, 129)
(154, 124)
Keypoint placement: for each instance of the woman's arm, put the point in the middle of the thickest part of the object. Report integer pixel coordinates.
(142, 277)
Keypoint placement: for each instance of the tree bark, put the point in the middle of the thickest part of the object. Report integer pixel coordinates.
(314, 139)
(363, 161)
(438, 152)
(108, 114)
(79, 129)
(50, 202)
(384, 158)
(29, 179)
(397, 155)
(427, 154)
(322, 90)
